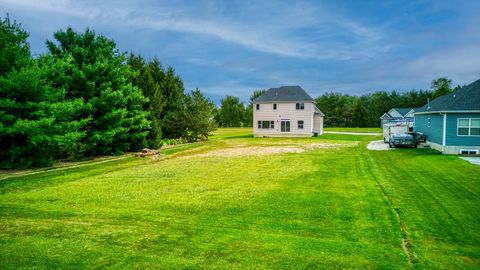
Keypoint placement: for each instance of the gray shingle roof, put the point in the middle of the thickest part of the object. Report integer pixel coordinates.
(403, 111)
(284, 93)
(465, 99)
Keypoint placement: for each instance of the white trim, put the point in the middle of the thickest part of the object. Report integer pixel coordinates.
(471, 111)
(469, 126)
(381, 117)
(410, 111)
(312, 123)
(283, 101)
(444, 135)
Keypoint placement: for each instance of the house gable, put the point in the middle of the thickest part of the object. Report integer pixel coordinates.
(394, 113)
(401, 112)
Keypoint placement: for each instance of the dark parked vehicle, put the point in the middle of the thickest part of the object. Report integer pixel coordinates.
(411, 139)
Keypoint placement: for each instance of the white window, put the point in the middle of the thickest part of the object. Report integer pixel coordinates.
(300, 124)
(468, 126)
(300, 106)
(274, 106)
(475, 127)
(468, 152)
(258, 107)
(266, 124)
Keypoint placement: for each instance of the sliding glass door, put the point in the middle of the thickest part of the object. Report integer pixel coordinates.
(285, 126)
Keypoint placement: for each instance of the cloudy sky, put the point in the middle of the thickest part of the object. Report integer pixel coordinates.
(233, 47)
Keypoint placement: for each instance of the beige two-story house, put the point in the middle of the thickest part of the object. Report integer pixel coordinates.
(286, 111)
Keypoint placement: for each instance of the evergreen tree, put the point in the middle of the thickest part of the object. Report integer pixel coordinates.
(231, 112)
(359, 114)
(150, 81)
(441, 86)
(14, 48)
(100, 76)
(37, 124)
(195, 118)
(174, 92)
(249, 109)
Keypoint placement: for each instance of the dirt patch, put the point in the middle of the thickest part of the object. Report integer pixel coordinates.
(268, 150)
(147, 152)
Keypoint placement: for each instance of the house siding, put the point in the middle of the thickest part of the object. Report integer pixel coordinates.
(434, 132)
(285, 110)
(453, 138)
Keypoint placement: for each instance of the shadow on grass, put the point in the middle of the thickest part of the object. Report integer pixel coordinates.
(239, 136)
(48, 178)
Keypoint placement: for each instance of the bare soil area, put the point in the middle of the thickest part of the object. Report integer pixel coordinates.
(269, 150)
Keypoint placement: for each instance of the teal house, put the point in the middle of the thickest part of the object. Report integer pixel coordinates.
(451, 123)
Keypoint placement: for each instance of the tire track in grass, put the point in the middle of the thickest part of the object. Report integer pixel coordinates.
(405, 242)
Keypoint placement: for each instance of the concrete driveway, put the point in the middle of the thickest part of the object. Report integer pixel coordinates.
(378, 146)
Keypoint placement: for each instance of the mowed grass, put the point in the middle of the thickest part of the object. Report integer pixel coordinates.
(324, 208)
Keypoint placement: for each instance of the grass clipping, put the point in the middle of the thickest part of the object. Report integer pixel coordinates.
(242, 150)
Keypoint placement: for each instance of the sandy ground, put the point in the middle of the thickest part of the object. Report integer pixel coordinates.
(378, 146)
(268, 150)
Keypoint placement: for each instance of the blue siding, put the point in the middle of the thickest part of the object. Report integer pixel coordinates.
(452, 138)
(434, 132)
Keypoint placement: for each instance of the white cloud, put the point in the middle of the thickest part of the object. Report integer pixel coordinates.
(270, 34)
(65, 7)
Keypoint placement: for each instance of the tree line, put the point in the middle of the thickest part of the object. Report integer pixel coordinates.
(85, 98)
(341, 110)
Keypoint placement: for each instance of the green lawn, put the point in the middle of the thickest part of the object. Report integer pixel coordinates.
(196, 206)
(362, 130)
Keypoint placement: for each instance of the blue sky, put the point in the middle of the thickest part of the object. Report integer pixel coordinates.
(233, 47)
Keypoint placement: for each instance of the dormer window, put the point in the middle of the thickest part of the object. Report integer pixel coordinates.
(274, 106)
(258, 107)
(300, 106)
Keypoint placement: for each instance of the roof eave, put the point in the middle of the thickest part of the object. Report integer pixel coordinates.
(448, 111)
(283, 101)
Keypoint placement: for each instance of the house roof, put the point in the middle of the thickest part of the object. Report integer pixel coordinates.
(284, 93)
(385, 116)
(403, 111)
(466, 98)
(317, 111)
